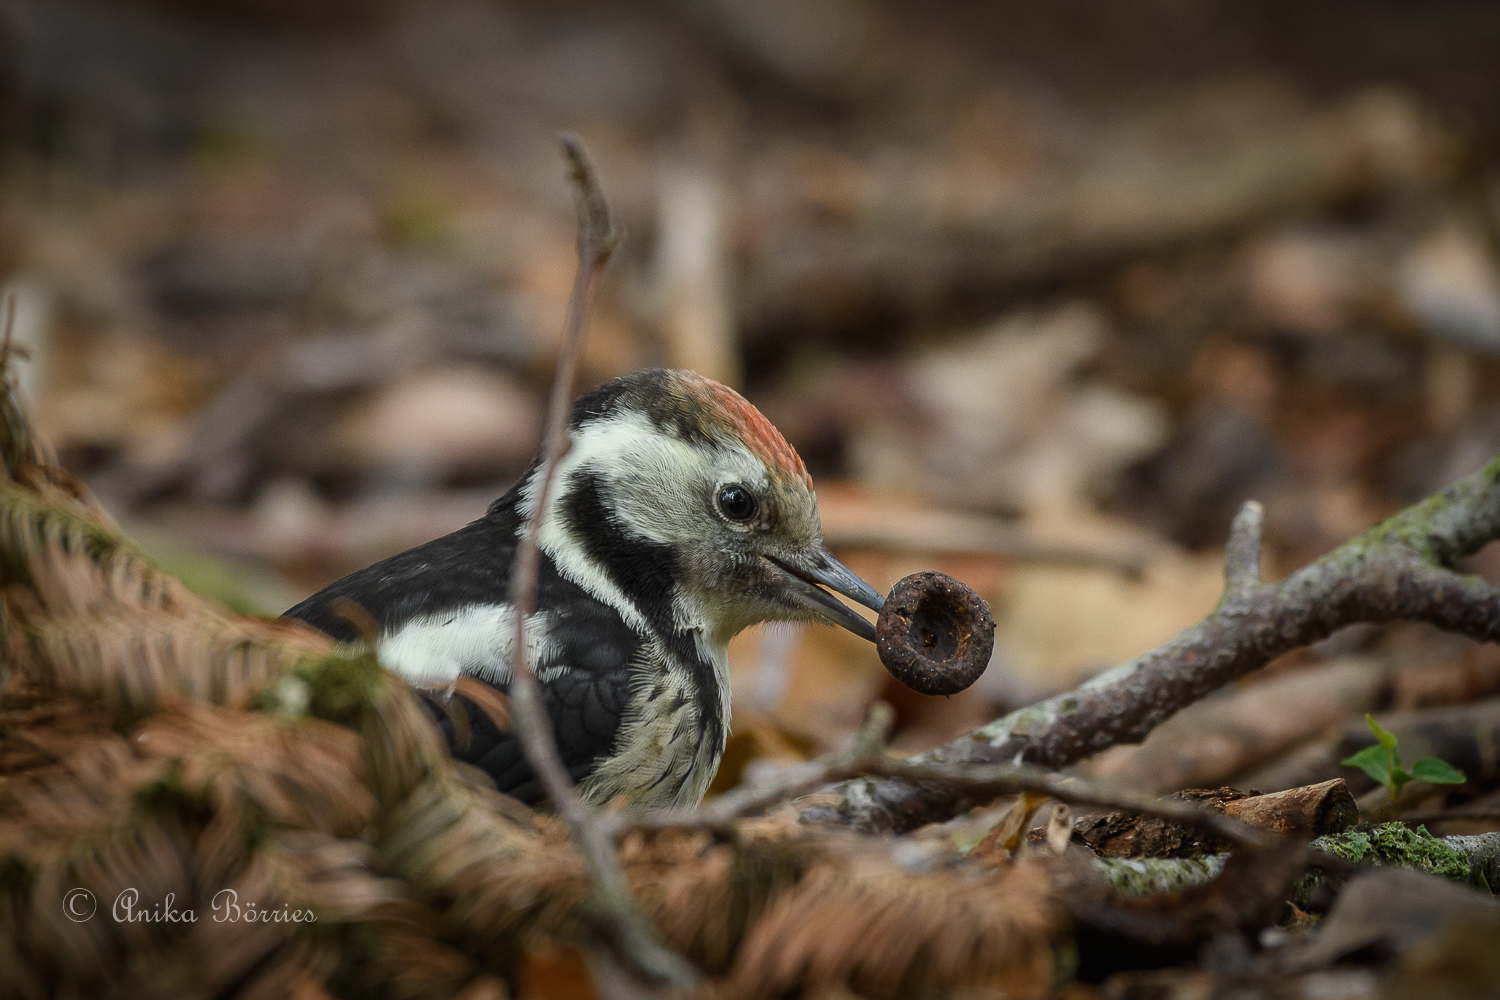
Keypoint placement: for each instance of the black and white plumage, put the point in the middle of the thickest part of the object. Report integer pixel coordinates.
(679, 516)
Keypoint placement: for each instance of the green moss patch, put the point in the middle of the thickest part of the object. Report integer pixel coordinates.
(1146, 876)
(1397, 844)
(338, 688)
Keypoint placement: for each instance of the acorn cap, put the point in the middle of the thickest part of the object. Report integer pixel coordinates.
(934, 635)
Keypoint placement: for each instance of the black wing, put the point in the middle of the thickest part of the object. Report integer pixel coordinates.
(585, 678)
(585, 673)
(585, 712)
(469, 566)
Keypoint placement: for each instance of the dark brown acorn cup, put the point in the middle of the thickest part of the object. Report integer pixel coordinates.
(934, 635)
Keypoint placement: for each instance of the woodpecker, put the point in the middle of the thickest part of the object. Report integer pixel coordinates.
(678, 517)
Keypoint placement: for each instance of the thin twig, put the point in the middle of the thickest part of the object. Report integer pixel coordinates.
(868, 757)
(1242, 552)
(7, 333)
(1401, 569)
(985, 782)
(719, 813)
(619, 920)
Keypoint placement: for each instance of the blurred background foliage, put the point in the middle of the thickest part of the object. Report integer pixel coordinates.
(1042, 293)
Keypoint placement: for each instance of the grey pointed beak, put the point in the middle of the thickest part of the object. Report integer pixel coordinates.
(807, 576)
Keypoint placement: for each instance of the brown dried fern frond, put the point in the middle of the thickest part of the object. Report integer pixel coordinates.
(705, 894)
(784, 910)
(85, 614)
(405, 960)
(866, 921)
(198, 803)
(301, 773)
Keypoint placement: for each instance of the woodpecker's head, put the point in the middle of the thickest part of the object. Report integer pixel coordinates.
(679, 497)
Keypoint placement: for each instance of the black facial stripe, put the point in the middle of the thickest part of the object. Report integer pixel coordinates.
(645, 570)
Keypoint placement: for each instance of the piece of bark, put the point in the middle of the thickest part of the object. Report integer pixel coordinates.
(1311, 811)
(1118, 834)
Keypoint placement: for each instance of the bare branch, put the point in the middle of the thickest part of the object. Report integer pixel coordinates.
(597, 233)
(719, 813)
(1401, 569)
(979, 782)
(986, 782)
(619, 921)
(1242, 553)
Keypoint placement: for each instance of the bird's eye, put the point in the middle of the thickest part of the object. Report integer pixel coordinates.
(737, 502)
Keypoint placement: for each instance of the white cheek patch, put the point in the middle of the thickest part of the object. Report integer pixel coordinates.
(476, 641)
(665, 488)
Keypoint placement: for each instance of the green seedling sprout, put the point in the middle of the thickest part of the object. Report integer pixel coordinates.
(1382, 762)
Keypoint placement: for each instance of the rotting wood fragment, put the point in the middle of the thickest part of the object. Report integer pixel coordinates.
(1310, 811)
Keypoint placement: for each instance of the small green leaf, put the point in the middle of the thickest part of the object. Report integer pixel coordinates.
(1386, 737)
(1437, 771)
(1374, 761)
(1396, 782)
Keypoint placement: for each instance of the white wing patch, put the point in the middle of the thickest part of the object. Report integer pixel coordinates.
(475, 641)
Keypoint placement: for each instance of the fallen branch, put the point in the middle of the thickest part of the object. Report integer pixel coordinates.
(869, 758)
(1310, 811)
(1313, 810)
(620, 921)
(1401, 569)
